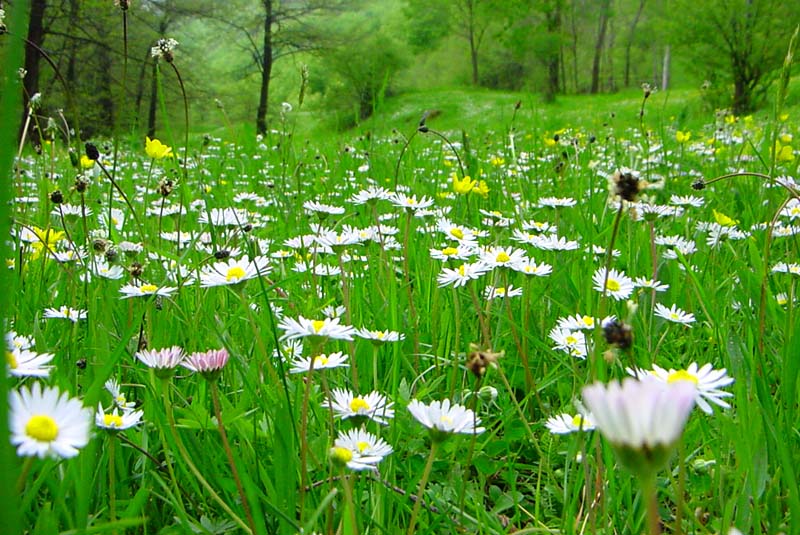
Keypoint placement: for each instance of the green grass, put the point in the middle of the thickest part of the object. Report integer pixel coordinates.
(735, 467)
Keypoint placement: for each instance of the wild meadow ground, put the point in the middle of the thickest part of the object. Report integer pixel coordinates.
(354, 283)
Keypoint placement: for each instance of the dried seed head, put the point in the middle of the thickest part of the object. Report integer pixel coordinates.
(627, 184)
(57, 197)
(478, 360)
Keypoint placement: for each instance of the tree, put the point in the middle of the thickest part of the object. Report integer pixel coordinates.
(743, 42)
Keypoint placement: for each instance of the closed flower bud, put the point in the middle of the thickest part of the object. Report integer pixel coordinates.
(57, 197)
(91, 151)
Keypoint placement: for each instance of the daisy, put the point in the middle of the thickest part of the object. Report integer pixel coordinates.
(490, 292)
(509, 257)
(380, 337)
(331, 311)
(233, 271)
(370, 195)
(442, 418)
(674, 314)
(617, 284)
(551, 242)
(289, 350)
(46, 422)
(345, 404)
(113, 421)
(27, 363)
(225, 217)
(529, 267)
(642, 419)
(359, 450)
(322, 209)
(401, 200)
(145, 290)
(118, 398)
(556, 202)
(207, 363)
(581, 322)
(327, 328)
(461, 275)
(99, 267)
(783, 267)
(18, 341)
(687, 200)
(320, 362)
(564, 424)
(644, 282)
(461, 252)
(65, 312)
(167, 358)
(706, 380)
(573, 343)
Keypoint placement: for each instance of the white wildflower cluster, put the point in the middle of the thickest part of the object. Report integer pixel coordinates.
(163, 49)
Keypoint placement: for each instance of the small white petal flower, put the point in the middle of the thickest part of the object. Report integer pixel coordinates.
(617, 284)
(564, 424)
(674, 314)
(359, 450)
(346, 404)
(441, 416)
(320, 362)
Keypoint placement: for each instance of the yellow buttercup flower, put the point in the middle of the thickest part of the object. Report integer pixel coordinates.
(464, 185)
(86, 162)
(482, 189)
(156, 150)
(682, 137)
(783, 153)
(724, 220)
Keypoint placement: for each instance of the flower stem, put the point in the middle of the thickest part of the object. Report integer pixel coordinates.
(26, 469)
(422, 483)
(192, 468)
(227, 447)
(112, 476)
(651, 498)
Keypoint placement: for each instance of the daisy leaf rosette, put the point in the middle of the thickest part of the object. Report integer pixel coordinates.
(642, 419)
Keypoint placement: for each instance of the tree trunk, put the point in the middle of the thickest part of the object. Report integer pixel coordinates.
(71, 74)
(598, 47)
(665, 66)
(30, 84)
(266, 69)
(629, 43)
(473, 46)
(574, 46)
(553, 19)
(151, 112)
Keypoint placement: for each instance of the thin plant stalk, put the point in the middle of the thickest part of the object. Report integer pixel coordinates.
(421, 489)
(229, 454)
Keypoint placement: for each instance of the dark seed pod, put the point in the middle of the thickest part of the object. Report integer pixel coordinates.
(57, 197)
(81, 364)
(91, 151)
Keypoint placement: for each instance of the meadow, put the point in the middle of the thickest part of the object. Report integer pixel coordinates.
(391, 331)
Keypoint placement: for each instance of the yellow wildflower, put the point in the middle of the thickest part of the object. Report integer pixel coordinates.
(156, 150)
(724, 220)
(682, 137)
(482, 189)
(86, 162)
(464, 185)
(783, 153)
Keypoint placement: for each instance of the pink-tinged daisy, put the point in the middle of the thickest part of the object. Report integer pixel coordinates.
(207, 363)
(167, 358)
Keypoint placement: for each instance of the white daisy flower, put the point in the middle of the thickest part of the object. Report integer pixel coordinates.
(509, 257)
(346, 404)
(674, 314)
(557, 202)
(551, 242)
(320, 362)
(706, 380)
(145, 290)
(27, 363)
(490, 292)
(18, 341)
(461, 252)
(401, 200)
(320, 208)
(441, 417)
(617, 284)
(461, 275)
(640, 414)
(113, 421)
(380, 337)
(99, 267)
(574, 343)
(167, 358)
(46, 422)
(529, 267)
(118, 398)
(327, 328)
(72, 314)
(234, 271)
(580, 322)
(564, 424)
(644, 282)
(783, 267)
(359, 450)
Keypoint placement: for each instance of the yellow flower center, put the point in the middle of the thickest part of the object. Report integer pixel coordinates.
(342, 455)
(234, 273)
(502, 257)
(571, 340)
(500, 291)
(445, 419)
(358, 404)
(148, 288)
(380, 335)
(317, 325)
(578, 421)
(449, 251)
(42, 428)
(458, 233)
(681, 375)
(362, 446)
(613, 285)
(11, 360)
(320, 360)
(588, 321)
(112, 420)
(461, 270)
